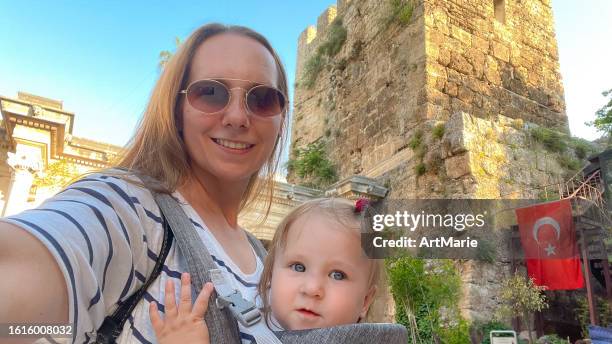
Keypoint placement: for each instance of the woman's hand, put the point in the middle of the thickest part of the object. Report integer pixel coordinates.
(185, 324)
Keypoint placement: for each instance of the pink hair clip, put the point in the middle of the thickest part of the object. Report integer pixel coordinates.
(361, 204)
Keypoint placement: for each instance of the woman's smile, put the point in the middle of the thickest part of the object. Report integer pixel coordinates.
(233, 146)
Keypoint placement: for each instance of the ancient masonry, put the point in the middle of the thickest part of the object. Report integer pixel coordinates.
(435, 99)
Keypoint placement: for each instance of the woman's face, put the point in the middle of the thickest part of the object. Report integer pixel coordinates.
(230, 145)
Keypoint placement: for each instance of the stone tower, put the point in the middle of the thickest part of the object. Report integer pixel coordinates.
(435, 99)
(399, 74)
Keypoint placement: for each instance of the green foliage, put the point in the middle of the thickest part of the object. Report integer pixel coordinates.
(336, 36)
(312, 166)
(603, 116)
(313, 66)
(485, 251)
(57, 174)
(484, 330)
(547, 196)
(582, 150)
(416, 140)
(456, 334)
(568, 162)
(551, 339)
(582, 313)
(356, 49)
(438, 131)
(420, 169)
(401, 12)
(420, 290)
(558, 142)
(582, 147)
(522, 297)
(552, 140)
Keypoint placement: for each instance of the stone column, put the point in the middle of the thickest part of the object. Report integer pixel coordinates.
(21, 182)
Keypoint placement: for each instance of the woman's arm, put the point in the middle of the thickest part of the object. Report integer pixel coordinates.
(33, 289)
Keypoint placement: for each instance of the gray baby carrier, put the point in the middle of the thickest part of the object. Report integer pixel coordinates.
(227, 307)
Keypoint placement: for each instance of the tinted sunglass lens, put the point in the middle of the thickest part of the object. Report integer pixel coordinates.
(265, 101)
(208, 96)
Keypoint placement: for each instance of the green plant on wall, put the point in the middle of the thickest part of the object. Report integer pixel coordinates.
(438, 131)
(521, 297)
(422, 291)
(558, 142)
(571, 150)
(336, 36)
(334, 40)
(552, 140)
(401, 12)
(57, 175)
(312, 166)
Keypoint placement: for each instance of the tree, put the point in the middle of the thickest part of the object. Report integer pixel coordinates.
(522, 297)
(603, 116)
(165, 55)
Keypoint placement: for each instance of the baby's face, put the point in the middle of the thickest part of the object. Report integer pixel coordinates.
(321, 277)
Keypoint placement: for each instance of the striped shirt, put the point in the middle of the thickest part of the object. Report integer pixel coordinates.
(105, 234)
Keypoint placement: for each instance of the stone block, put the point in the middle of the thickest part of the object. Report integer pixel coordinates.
(454, 133)
(491, 71)
(451, 89)
(461, 64)
(465, 94)
(515, 54)
(457, 105)
(438, 98)
(501, 52)
(477, 59)
(436, 70)
(480, 44)
(462, 36)
(458, 166)
(444, 56)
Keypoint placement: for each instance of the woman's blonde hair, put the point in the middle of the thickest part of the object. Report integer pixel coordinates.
(338, 209)
(157, 148)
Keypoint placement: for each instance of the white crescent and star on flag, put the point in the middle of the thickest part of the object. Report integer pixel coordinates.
(550, 249)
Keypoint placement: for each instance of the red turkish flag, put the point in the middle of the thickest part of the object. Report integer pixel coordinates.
(549, 241)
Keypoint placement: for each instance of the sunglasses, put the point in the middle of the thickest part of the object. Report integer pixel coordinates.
(211, 96)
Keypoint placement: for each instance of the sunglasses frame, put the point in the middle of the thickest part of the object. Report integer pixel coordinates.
(229, 92)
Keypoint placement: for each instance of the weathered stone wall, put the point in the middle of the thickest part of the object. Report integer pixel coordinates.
(365, 101)
(391, 81)
(485, 67)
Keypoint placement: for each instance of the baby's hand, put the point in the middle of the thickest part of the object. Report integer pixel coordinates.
(185, 324)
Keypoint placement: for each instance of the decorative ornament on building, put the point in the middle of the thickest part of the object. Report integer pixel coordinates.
(22, 162)
(37, 111)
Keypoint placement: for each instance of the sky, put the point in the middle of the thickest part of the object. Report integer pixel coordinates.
(101, 57)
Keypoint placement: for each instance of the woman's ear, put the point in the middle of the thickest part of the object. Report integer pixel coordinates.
(367, 302)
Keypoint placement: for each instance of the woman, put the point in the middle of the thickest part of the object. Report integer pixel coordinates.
(214, 123)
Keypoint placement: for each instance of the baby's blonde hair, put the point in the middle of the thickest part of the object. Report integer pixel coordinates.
(337, 209)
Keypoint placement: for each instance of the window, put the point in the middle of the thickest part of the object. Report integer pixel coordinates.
(500, 10)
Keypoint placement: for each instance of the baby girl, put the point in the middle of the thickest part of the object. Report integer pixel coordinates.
(315, 275)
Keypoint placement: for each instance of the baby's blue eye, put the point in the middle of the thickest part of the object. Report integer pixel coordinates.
(298, 267)
(337, 275)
